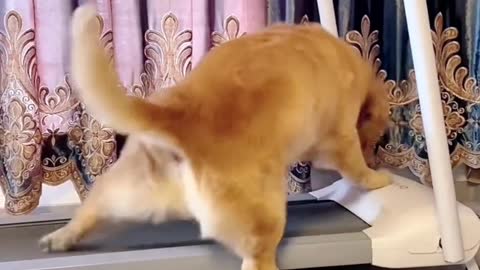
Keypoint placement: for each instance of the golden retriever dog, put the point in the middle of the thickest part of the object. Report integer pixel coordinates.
(215, 147)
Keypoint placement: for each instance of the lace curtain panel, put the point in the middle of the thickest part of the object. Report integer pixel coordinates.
(47, 137)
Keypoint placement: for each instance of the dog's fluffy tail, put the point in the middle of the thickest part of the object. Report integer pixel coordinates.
(96, 81)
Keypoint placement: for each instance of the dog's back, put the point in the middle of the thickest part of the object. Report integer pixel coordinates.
(267, 90)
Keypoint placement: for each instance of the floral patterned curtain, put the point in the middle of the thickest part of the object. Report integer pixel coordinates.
(377, 29)
(46, 136)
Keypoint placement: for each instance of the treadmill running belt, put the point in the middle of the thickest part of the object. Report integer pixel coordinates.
(312, 218)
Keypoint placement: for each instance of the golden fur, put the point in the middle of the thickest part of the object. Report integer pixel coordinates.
(216, 146)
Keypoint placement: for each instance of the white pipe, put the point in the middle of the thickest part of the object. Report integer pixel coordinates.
(433, 124)
(327, 16)
(472, 265)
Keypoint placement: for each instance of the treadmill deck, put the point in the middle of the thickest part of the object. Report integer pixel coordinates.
(318, 233)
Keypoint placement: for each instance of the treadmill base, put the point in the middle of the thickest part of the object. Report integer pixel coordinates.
(404, 230)
(318, 233)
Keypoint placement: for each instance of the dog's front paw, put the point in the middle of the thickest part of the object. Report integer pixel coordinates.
(59, 240)
(377, 179)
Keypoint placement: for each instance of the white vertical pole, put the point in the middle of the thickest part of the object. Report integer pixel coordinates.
(472, 265)
(433, 124)
(327, 16)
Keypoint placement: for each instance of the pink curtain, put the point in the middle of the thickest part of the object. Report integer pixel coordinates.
(46, 136)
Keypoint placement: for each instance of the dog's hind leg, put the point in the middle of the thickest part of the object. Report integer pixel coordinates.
(123, 193)
(86, 219)
(251, 222)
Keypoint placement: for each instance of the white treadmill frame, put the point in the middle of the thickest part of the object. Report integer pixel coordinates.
(448, 222)
(402, 216)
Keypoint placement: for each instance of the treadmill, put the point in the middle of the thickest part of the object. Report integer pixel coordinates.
(340, 224)
(318, 233)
